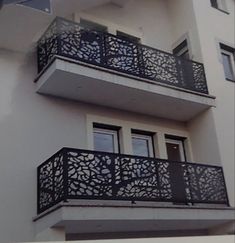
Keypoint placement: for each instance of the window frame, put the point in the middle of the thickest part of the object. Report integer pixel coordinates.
(101, 27)
(128, 37)
(179, 141)
(110, 130)
(220, 5)
(145, 136)
(181, 49)
(230, 52)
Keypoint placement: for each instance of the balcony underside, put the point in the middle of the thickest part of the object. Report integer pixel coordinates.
(86, 218)
(96, 192)
(69, 79)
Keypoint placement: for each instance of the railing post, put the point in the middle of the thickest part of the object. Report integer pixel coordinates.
(65, 174)
(158, 179)
(140, 57)
(104, 50)
(225, 188)
(53, 182)
(38, 190)
(188, 181)
(114, 160)
(58, 36)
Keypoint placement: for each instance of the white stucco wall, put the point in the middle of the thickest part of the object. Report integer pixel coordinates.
(154, 27)
(212, 133)
(33, 127)
(183, 25)
(215, 26)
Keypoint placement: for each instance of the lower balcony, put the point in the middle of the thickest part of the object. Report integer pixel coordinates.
(82, 174)
(93, 194)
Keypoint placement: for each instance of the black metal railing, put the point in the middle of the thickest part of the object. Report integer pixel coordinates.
(83, 174)
(68, 39)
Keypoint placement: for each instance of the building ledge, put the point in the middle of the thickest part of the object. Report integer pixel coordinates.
(70, 79)
(85, 216)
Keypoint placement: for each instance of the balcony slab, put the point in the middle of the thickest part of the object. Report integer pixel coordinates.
(75, 80)
(97, 217)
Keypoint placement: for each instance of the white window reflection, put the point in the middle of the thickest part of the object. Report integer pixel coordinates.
(105, 140)
(142, 145)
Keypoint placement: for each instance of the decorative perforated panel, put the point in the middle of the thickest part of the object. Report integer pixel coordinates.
(83, 174)
(67, 39)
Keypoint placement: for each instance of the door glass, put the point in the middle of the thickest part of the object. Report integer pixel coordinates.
(105, 140)
(128, 37)
(175, 150)
(142, 145)
(182, 50)
(86, 24)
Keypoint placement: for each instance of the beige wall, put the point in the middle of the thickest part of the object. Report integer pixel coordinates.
(204, 138)
(154, 27)
(183, 25)
(215, 26)
(33, 127)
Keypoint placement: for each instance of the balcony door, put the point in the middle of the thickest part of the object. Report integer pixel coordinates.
(175, 150)
(175, 153)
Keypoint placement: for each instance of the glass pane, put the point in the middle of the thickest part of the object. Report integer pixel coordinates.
(227, 66)
(182, 50)
(140, 147)
(104, 142)
(173, 151)
(92, 25)
(128, 37)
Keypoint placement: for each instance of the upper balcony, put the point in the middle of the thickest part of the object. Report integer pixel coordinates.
(73, 62)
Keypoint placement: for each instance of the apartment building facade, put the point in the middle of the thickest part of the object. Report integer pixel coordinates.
(117, 120)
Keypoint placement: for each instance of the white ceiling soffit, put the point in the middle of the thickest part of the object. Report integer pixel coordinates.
(121, 3)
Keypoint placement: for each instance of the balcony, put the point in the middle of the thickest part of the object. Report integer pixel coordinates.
(73, 62)
(81, 174)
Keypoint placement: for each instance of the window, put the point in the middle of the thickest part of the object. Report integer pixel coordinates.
(128, 37)
(219, 4)
(142, 144)
(106, 139)
(227, 55)
(182, 50)
(175, 149)
(86, 24)
(214, 3)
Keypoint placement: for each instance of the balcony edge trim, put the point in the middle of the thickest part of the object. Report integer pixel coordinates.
(70, 60)
(74, 204)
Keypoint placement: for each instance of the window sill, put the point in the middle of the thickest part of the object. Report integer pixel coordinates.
(230, 80)
(221, 10)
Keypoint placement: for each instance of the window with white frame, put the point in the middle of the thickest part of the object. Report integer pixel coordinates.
(142, 144)
(228, 61)
(219, 4)
(106, 139)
